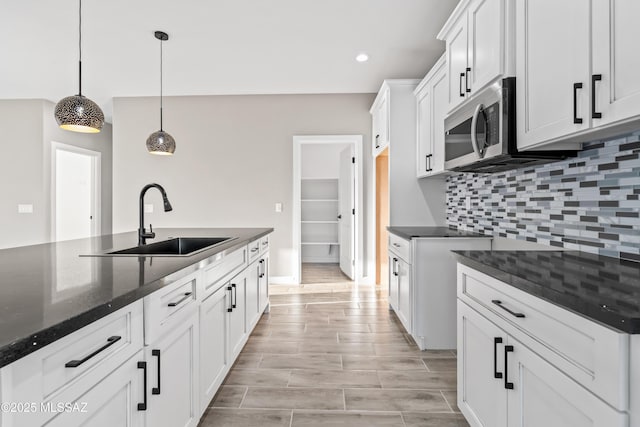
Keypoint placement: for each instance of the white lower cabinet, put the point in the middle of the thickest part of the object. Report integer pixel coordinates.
(503, 382)
(263, 283)
(237, 320)
(253, 293)
(405, 301)
(393, 281)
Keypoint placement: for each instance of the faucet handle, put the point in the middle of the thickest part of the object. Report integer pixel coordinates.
(151, 234)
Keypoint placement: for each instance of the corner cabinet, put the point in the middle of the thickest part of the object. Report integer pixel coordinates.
(431, 109)
(575, 70)
(525, 362)
(391, 111)
(479, 48)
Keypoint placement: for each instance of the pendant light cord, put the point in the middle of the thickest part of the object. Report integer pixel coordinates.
(160, 85)
(80, 48)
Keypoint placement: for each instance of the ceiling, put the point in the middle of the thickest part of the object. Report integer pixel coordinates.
(215, 46)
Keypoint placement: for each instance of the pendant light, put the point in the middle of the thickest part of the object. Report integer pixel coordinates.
(160, 142)
(78, 113)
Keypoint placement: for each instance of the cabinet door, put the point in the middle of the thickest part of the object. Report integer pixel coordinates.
(544, 396)
(424, 115)
(173, 379)
(393, 281)
(486, 42)
(439, 92)
(112, 402)
(380, 137)
(214, 353)
(404, 294)
(252, 308)
(237, 324)
(616, 60)
(552, 55)
(457, 63)
(482, 397)
(263, 277)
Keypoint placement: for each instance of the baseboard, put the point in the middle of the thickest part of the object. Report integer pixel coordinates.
(282, 280)
(321, 260)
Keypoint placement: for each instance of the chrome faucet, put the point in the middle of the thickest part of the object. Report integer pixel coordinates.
(143, 235)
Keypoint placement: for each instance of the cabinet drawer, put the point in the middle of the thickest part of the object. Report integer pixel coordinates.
(166, 307)
(73, 364)
(254, 250)
(400, 246)
(222, 268)
(594, 355)
(264, 244)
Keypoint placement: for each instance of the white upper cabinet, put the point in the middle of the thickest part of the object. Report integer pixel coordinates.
(576, 70)
(478, 43)
(616, 61)
(552, 66)
(431, 108)
(380, 115)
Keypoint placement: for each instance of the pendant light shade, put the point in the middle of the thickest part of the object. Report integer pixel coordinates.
(78, 113)
(160, 142)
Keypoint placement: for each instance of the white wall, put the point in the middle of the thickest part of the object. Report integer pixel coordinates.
(233, 159)
(28, 127)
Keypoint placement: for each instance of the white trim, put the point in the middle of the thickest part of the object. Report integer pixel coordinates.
(356, 141)
(96, 194)
(282, 280)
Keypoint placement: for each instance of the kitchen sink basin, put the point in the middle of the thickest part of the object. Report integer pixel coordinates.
(179, 246)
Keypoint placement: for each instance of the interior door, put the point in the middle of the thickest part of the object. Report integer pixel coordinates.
(346, 209)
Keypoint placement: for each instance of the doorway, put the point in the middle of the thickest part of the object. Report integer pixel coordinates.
(327, 225)
(75, 200)
(382, 216)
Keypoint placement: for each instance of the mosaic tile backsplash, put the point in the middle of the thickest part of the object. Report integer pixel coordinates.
(587, 203)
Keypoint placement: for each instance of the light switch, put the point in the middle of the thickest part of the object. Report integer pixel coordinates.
(25, 209)
(148, 208)
(278, 207)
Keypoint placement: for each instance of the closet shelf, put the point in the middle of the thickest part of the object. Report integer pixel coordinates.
(319, 222)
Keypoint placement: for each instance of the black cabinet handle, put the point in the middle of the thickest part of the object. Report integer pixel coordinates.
(156, 390)
(496, 341)
(261, 269)
(395, 263)
(230, 308)
(255, 249)
(377, 145)
(143, 406)
(428, 162)
(184, 298)
(577, 120)
(466, 80)
(507, 349)
(234, 295)
(110, 341)
(460, 87)
(594, 78)
(513, 313)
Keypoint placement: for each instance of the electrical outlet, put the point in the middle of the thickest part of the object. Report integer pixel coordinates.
(278, 207)
(148, 208)
(25, 209)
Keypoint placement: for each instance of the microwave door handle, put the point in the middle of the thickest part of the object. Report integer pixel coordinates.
(474, 137)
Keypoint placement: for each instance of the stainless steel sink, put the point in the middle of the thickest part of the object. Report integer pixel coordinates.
(179, 246)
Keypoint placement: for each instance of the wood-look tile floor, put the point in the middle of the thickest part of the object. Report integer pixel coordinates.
(336, 358)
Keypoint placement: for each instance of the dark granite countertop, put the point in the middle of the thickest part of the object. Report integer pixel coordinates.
(431, 232)
(602, 289)
(48, 291)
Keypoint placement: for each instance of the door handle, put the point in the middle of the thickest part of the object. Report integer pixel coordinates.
(507, 349)
(230, 308)
(594, 114)
(156, 390)
(577, 120)
(466, 80)
(184, 298)
(496, 341)
(513, 313)
(143, 406)
(234, 295)
(110, 341)
(460, 86)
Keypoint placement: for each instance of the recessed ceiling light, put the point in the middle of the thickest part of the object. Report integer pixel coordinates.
(362, 57)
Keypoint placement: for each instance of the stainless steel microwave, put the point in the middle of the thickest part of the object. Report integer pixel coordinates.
(481, 136)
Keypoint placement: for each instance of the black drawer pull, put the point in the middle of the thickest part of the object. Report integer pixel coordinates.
(261, 268)
(156, 390)
(184, 298)
(110, 341)
(507, 349)
(143, 406)
(594, 78)
(496, 341)
(513, 313)
(234, 295)
(460, 91)
(255, 249)
(466, 80)
(395, 263)
(230, 308)
(577, 120)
